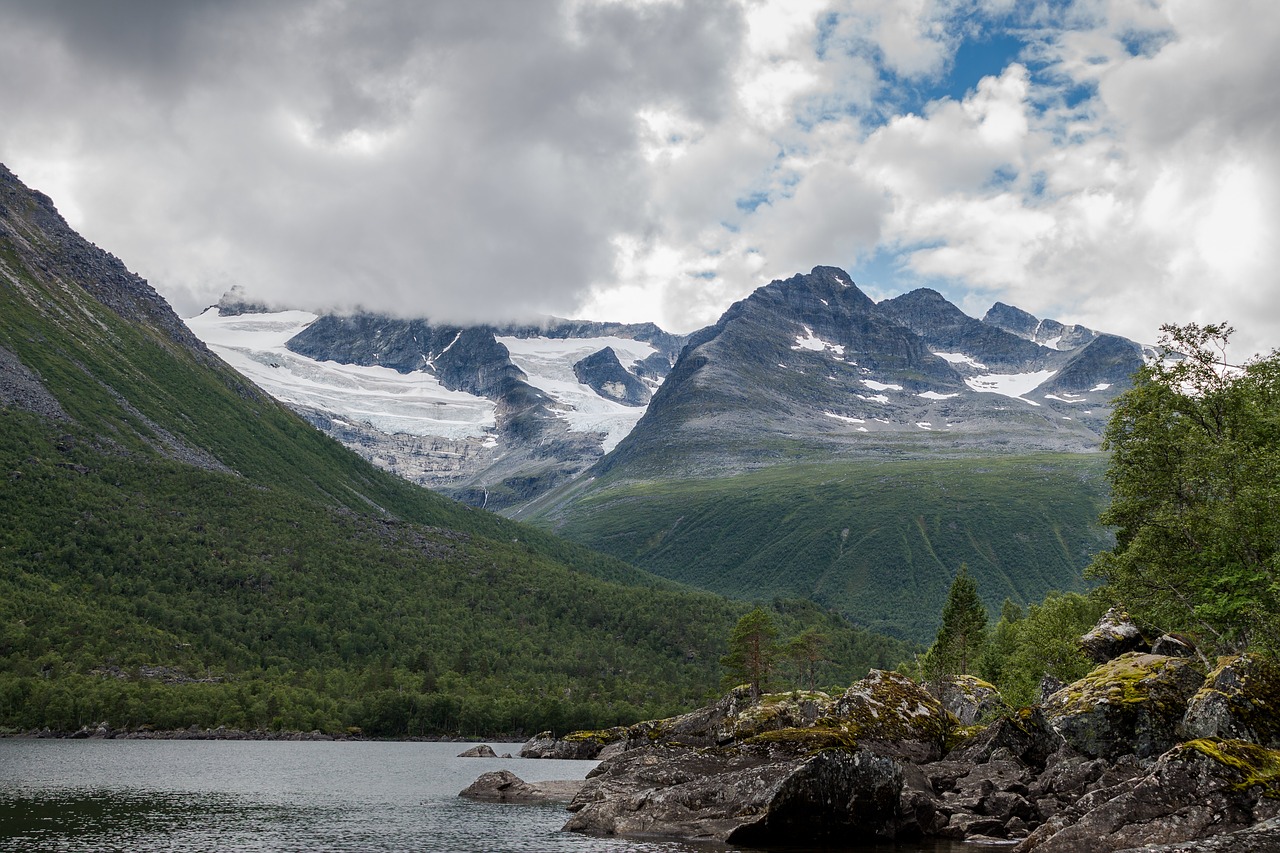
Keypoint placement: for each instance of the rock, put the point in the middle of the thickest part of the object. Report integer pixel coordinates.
(1195, 791)
(751, 794)
(503, 786)
(1259, 838)
(481, 751)
(1240, 699)
(1173, 646)
(892, 715)
(971, 699)
(1026, 734)
(576, 746)
(1133, 704)
(1114, 635)
(603, 373)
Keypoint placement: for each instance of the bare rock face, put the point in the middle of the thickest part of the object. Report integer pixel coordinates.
(755, 794)
(1197, 790)
(970, 699)
(1240, 699)
(503, 786)
(1114, 635)
(1133, 704)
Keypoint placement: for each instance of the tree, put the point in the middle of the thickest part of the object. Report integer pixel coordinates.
(752, 651)
(807, 650)
(1195, 481)
(963, 632)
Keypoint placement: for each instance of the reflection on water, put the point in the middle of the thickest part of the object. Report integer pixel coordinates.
(198, 796)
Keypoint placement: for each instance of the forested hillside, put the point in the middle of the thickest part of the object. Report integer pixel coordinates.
(179, 549)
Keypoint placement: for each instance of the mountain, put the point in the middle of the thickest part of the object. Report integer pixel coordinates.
(760, 465)
(494, 416)
(181, 549)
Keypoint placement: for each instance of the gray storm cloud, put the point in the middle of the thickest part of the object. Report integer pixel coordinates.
(459, 160)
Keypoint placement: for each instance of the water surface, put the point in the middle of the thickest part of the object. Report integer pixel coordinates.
(328, 797)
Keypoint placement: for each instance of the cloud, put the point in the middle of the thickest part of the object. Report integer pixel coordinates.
(657, 159)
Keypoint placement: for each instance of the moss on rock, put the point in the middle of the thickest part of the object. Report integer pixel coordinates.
(1255, 765)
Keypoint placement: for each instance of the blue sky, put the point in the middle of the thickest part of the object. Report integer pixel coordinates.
(1109, 162)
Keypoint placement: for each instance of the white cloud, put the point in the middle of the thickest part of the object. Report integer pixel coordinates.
(659, 159)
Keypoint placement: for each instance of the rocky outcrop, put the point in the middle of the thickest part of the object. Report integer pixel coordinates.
(578, 746)
(1114, 635)
(603, 373)
(1107, 759)
(1131, 705)
(1194, 791)
(503, 786)
(754, 794)
(1240, 699)
(481, 751)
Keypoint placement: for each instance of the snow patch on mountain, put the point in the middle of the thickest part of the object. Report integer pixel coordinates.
(389, 401)
(961, 358)
(548, 364)
(810, 341)
(936, 395)
(1013, 385)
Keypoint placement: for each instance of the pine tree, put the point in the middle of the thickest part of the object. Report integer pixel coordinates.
(752, 651)
(963, 632)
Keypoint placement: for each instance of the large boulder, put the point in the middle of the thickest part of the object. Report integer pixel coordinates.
(1240, 699)
(970, 699)
(890, 714)
(1114, 635)
(1198, 790)
(755, 794)
(481, 751)
(1133, 704)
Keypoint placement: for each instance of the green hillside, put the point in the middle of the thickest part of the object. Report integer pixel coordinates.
(878, 541)
(178, 549)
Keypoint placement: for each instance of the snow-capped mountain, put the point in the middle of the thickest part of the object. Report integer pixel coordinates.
(811, 368)
(806, 368)
(492, 415)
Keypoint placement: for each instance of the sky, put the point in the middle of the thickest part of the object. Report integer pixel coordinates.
(1114, 163)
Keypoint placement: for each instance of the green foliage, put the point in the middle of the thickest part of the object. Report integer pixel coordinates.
(807, 651)
(962, 636)
(1195, 476)
(877, 541)
(1045, 641)
(753, 651)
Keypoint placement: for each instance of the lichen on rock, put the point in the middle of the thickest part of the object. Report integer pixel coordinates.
(1132, 704)
(1240, 699)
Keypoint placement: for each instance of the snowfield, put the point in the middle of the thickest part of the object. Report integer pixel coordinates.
(1013, 385)
(389, 401)
(548, 364)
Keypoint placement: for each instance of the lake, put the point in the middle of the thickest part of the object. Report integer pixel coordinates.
(181, 796)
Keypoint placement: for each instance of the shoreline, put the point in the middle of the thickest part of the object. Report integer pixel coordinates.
(223, 733)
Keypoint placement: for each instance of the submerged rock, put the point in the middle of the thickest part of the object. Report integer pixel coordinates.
(503, 786)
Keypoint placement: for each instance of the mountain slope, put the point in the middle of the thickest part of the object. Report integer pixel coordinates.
(725, 481)
(180, 549)
(492, 416)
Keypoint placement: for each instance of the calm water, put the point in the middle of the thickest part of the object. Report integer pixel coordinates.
(195, 796)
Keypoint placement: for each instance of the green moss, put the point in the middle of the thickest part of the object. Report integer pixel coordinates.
(813, 739)
(1127, 680)
(600, 736)
(1257, 765)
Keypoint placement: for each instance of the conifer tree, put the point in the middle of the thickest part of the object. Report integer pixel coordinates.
(753, 651)
(963, 632)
